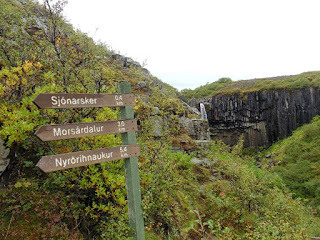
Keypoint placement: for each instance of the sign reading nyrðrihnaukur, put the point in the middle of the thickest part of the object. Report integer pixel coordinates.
(83, 100)
(83, 158)
(75, 130)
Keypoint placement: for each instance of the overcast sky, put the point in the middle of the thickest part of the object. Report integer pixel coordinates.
(189, 43)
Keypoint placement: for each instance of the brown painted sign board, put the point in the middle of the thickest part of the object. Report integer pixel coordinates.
(75, 130)
(83, 100)
(84, 158)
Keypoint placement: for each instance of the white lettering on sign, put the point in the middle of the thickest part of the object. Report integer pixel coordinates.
(82, 158)
(118, 100)
(123, 151)
(121, 125)
(118, 97)
(60, 101)
(76, 131)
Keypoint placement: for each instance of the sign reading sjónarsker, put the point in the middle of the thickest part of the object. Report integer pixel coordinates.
(75, 130)
(83, 158)
(83, 100)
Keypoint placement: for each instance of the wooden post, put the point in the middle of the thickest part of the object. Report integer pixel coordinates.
(132, 172)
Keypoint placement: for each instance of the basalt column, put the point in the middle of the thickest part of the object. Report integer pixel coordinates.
(262, 117)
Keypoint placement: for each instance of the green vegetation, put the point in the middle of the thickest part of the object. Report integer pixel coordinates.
(299, 162)
(231, 198)
(308, 79)
(207, 90)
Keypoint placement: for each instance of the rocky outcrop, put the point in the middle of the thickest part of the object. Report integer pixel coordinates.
(197, 129)
(262, 117)
(195, 104)
(127, 62)
(4, 161)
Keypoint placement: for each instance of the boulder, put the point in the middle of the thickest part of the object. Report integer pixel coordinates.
(119, 59)
(191, 110)
(204, 162)
(142, 85)
(197, 129)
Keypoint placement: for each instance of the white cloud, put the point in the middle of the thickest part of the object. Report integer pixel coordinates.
(189, 42)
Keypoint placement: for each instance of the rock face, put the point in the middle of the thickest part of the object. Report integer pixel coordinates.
(129, 63)
(262, 117)
(4, 152)
(197, 129)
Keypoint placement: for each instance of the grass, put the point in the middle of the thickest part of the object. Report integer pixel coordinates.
(307, 79)
(298, 159)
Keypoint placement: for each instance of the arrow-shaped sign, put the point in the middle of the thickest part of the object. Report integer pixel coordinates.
(83, 100)
(75, 130)
(83, 158)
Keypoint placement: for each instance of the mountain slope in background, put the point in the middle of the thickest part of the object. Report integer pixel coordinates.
(225, 86)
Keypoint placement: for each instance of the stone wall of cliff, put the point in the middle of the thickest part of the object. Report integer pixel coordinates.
(262, 117)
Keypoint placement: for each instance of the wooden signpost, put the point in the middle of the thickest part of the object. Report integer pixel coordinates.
(83, 100)
(127, 126)
(132, 172)
(76, 159)
(75, 130)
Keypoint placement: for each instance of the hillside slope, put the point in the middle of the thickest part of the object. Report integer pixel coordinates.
(225, 86)
(298, 159)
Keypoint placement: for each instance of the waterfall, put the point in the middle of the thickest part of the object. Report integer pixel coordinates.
(203, 112)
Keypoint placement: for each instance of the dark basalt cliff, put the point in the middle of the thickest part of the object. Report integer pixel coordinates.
(262, 117)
